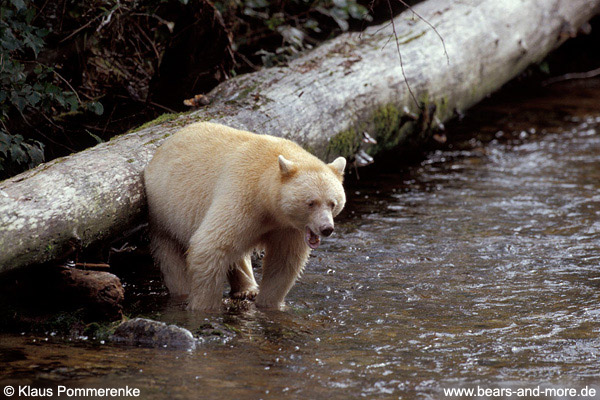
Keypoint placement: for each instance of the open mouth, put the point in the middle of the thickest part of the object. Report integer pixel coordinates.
(312, 239)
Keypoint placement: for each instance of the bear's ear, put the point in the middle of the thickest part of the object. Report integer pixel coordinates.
(286, 167)
(338, 165)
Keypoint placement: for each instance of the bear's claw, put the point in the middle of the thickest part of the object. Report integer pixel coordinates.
(244, 294)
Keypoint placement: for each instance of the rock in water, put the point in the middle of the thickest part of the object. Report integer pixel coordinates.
(149, 333)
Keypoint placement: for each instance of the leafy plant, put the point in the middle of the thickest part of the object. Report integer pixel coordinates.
(28, 89)
(296, 24)
(18, 153)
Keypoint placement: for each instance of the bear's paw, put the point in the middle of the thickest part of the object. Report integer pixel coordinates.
(248, 294)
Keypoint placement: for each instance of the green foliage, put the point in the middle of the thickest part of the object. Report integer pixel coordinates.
(343, 10)
(17, 37)
(28, 88)
(17, 153)
(299, 24)
(544, 67)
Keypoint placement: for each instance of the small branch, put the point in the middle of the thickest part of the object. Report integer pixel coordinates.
(48, 138)
(106, 20)
(247, 61)
(69, 85)
(400, 56)
(430, 25)
(76, 31)
(152, 44)
(83, 265)
(163, 107)
(573, 75)
(39, 11)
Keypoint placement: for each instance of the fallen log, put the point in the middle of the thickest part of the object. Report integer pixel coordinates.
(323, 100)
(100, 292)
(97, 294)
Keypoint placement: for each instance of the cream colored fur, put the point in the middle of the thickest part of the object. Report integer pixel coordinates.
(216, 193)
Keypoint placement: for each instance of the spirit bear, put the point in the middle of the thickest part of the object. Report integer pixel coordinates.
(217, 193)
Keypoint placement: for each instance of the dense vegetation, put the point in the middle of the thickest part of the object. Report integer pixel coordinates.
(76, 73)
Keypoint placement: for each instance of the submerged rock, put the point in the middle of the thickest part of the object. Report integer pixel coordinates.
(216, 332)
(149, 333)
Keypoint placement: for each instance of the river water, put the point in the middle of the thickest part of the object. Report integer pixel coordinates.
(478, 267)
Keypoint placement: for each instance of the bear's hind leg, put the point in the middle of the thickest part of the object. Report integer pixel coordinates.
(170, 257)
(241, 279)
(285, 257)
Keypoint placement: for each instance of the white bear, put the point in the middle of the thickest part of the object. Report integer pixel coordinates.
(217, 193)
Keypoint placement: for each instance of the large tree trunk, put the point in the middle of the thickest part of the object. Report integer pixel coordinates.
(323, 100)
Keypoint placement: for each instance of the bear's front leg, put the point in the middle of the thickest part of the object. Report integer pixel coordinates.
(285, 257)
(207, 263)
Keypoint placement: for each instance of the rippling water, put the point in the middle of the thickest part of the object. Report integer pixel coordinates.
(479, 267)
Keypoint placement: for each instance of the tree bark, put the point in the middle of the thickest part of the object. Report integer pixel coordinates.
(323, 100)
(92, 294)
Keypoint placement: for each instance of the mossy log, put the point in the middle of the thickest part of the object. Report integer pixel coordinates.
(323, 100)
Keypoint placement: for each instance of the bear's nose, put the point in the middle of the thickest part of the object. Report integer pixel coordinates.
(326, 230)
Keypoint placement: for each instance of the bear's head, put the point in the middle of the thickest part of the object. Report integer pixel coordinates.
(311, 196)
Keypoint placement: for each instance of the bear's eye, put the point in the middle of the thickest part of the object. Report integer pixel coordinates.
(332, 205)
(311, 203)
